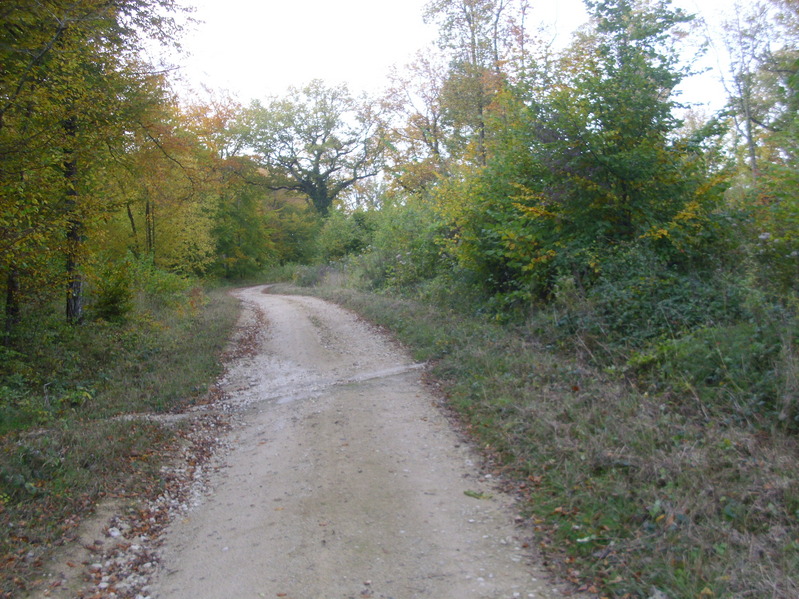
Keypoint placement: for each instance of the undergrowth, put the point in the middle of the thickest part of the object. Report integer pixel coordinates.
(632, 490)
(67, 439)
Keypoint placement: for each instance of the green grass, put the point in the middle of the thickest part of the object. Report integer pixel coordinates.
(628, 490)
(62, 445)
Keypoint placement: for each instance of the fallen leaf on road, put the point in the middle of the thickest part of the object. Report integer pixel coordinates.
(477, 494)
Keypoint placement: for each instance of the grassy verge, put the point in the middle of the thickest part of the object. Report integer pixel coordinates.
(62, 447)
(632, 494)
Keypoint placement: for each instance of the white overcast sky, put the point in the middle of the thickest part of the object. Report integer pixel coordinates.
(258, 48)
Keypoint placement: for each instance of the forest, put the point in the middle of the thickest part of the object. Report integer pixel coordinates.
(536, 200)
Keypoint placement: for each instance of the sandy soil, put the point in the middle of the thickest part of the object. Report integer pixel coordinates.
(346, 481)
(340, 478)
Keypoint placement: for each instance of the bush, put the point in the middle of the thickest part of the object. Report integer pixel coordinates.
(638, 298)
(343, 234)
(309, 276)
(161, 288)
(706, 337)
(280, 273)
(113, 291)
(404, 252)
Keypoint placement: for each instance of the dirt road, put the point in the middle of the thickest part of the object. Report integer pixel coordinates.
(343, 479)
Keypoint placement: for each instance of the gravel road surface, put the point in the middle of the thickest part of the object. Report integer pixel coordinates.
(345, 481)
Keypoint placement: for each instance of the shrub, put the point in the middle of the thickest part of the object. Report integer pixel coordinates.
(343, 234)
(279, 273)
(159, 287)
(638, 298)
(309, 276)
(404, 252)
(113, 290)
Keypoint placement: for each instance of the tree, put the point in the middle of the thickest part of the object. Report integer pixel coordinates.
(416, 134)
(746, 39)
(611, 120)
(592, 164)
(244, 220)
(763, 45)
(478, 36)
(318, 141)
(69, 72)
(761, 41)
(243, 233)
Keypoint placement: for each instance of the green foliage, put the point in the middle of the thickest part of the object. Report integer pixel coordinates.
(605, 131)
(578, 168)
(344, 234)
(295, 233)
(93, 369)
(280, 273)
(404, 250)
(63, 441)
(559, 193)
(73, 91)
(113, 293)
(764, 68)
(728, 368)
(243, 234)
(638, 296)
(776, 247)
(160, 288)
(309, 276)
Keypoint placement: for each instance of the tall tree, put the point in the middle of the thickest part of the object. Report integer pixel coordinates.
(319, 140)
(416, 146)
(244, 219)
(476, 34)
(746, 41)
(591, 163)
(763, 45)
(612, 117)
(68, 69)
(761, 40)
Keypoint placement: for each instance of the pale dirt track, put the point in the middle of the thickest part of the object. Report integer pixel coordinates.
(342, 480)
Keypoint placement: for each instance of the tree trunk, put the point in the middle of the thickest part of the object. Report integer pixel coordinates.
(481, 134)
(74, 303)
(751, 143)
(12, 305)
(74, 307)
(134, 232)
(149, 229)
